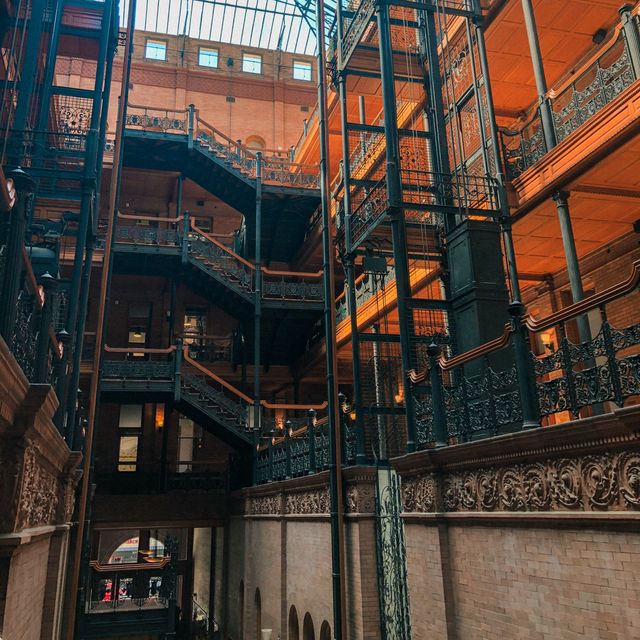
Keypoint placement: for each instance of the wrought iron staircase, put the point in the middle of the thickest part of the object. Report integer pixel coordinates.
(179, 140)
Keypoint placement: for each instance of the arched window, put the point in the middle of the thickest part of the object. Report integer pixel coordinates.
(294, 627)
(307, 628)
(255, 142)
(241, 603)
(325, 631)
(258, 603)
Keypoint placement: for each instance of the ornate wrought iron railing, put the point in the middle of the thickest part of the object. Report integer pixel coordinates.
(292, 448)
(479, 394)
(32, 340)
(278, 167)
(134, 586)
(590, 90)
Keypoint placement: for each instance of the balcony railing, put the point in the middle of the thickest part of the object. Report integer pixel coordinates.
(603, 79)
(478, 394)
(278, 167)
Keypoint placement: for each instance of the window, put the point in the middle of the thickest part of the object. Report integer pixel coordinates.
(128, 453)
(130, 416)
(251, 63)
(208, 57)
(301, 70)
(156, 50)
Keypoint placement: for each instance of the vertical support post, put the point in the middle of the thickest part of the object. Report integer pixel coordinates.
(287, 444)
(190, 126)
(311, 433)
(546, 114)
(524, 368)
(42, 350)
(437, 400)
(335, 466)
(87, 200)
(163, 452)
(28, 74)
(561, 199)
(50, 67)
(631, 36)
(272, 435)
(15, 244)
(179, 194)
(177, 371)
(396, 214)
(349, 266)
(185, 237)
(257, 303)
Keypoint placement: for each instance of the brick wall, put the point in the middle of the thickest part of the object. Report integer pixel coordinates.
(26, 592)
(524, 583)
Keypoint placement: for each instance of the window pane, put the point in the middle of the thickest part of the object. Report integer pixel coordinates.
(302, 71)
(251, 63)
(208, 58)
(128, 454)
(156, 50)
(130, 416)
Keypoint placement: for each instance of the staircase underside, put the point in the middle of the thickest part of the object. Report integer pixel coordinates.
(132, 391)
(286, 211)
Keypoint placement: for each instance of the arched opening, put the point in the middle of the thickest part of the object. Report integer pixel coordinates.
(241, 604)
(307, 628)
(294, 627)
(325, 631)
(255, 142)
(258, 603)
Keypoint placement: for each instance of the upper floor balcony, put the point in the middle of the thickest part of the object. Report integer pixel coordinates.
(592, 109)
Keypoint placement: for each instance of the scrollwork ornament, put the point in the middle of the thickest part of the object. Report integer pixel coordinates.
(468, 492)
(488, 489)
(599, 481)
(565, 484)
(629, 478)
(536, 487)
(511, 491)
(419, 494)
(451, 493)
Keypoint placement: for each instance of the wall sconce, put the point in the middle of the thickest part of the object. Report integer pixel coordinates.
(159, 418)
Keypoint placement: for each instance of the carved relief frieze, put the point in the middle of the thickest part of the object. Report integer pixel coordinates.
(39, 494)
(264, 505)
(360, 498)
(314, 501)
(595, 482)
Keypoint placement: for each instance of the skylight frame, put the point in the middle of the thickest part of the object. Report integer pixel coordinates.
(285, 25)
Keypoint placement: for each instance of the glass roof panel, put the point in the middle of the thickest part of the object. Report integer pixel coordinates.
(287, 25)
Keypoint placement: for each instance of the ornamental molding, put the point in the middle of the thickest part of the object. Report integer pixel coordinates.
(264, 505)
(308, 502)
(39, 493)
(589, 483)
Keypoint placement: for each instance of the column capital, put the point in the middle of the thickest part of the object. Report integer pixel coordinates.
(561, 197)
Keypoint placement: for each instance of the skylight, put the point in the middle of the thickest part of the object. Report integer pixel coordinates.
(288, 25)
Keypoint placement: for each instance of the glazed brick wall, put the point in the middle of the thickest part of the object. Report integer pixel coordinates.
(262, 562)
(524, 583)
(290, 562)
(26, 592)
(308, 579)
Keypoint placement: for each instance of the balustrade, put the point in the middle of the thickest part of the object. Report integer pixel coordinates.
(278, 167)
(479, 393)
(589, 91)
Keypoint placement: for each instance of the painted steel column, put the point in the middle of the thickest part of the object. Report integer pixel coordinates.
(631, 35)
(329, 313)
(15, 244)
(573, 267)
(349, 266)
(257, 288)
(29, 67)
(43, 119)
(396, 214)
(83, 502)
(526, 379)
(546, 115)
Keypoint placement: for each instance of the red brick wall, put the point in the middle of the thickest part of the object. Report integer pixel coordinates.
(26, 592)
(524, 583)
